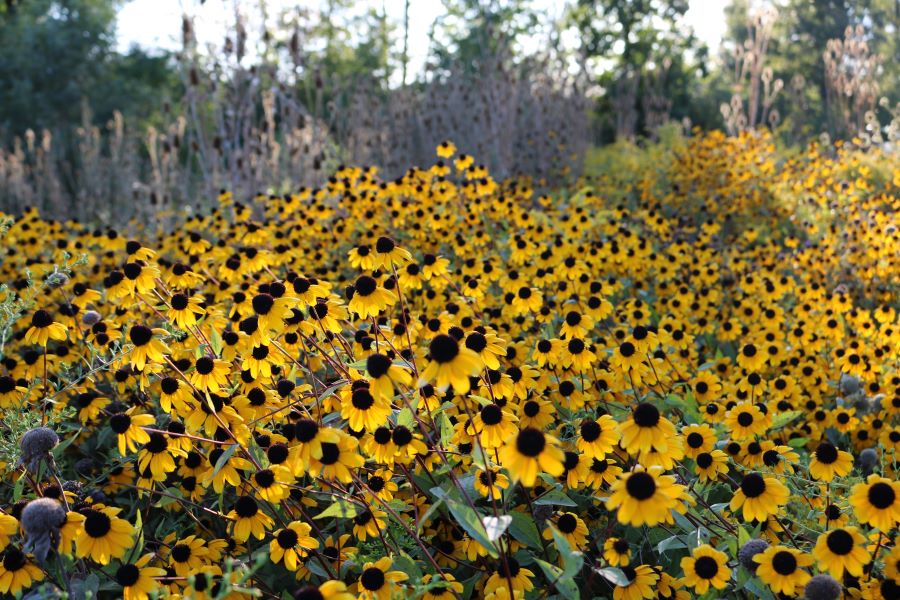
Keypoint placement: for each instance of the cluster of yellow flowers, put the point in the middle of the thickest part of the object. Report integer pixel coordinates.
(450, 386)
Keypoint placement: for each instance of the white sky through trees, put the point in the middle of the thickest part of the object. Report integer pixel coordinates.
(157, 23)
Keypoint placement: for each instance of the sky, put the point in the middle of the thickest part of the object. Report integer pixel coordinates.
(157, 23)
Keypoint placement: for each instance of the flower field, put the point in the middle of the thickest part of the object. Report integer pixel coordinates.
(675, 378)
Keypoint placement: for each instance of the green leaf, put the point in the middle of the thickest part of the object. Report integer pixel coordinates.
(800, 442)
(330, 390)
(223, 459)
(173, 495)
(19, 487)
(446, 429)
(613, 575)
(743, 536)
(572, 560)
(671, 543)
(398, 506)
(339, 508)
(566, 586)
(427, 515)
(524, 529)
(139, 527)
(469, 520)
(405, 418)
(554, 498)
(405, 563)
(782, 419)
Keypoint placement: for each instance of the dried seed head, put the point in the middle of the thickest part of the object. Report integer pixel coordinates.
(41, 520)
(868, 458)
(36, 444)
(90, 318)
(822, 587)
(749, 550)
(56, 279)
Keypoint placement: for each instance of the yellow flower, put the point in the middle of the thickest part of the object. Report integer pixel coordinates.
(877, 502)
(44, 328)
(529, 452)
(291, 544)
(841, 550)
(644, 496)
(705, 568)
(760, 497)
(102, 536)
(780, 568)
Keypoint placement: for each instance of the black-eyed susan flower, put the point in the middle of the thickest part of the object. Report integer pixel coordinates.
(159, 456)
(248, 519)
(529, 452)
(698, 439)
(602, 472)
(44, 328)
(384, 375)
(330, 590)
(369, 299)
(644, 496)
(598, 436)
(490, 483)
(338, 458)
(841, 550)
(745, 421)
(781, 568)
(509, 573)
(827, 462)
(17, 572)
(617, 552)
(184, 310)
(138, 579)
(571, 527)
(271, 484)
(388, 253)
(103, 536)
(641, 581)
(210, 374)
(450, 364)
(646, 428)
(369, 523)
(709, 466)
(876, 502)
(759, 497)
(128, 427)
(147, 346)
(291, 544)
(379, 582)
(363, 410)
(494, 425)
(705, 568)
(187, 555)
(441, 587)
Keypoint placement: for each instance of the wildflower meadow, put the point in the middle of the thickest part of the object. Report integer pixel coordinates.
(677, 378)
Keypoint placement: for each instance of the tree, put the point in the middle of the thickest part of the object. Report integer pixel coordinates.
(646, 60)
(57, 57)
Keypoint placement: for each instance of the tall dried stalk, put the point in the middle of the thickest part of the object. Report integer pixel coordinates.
(271, 124)
(851, 84)
(755, 87)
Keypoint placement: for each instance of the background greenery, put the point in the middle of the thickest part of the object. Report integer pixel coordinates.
(81, 120)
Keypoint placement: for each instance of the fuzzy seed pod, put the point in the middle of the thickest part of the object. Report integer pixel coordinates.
(36, 444)
(868, 458)
(41, 520)
(90, 318)
(822, 587)
(749, 550)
